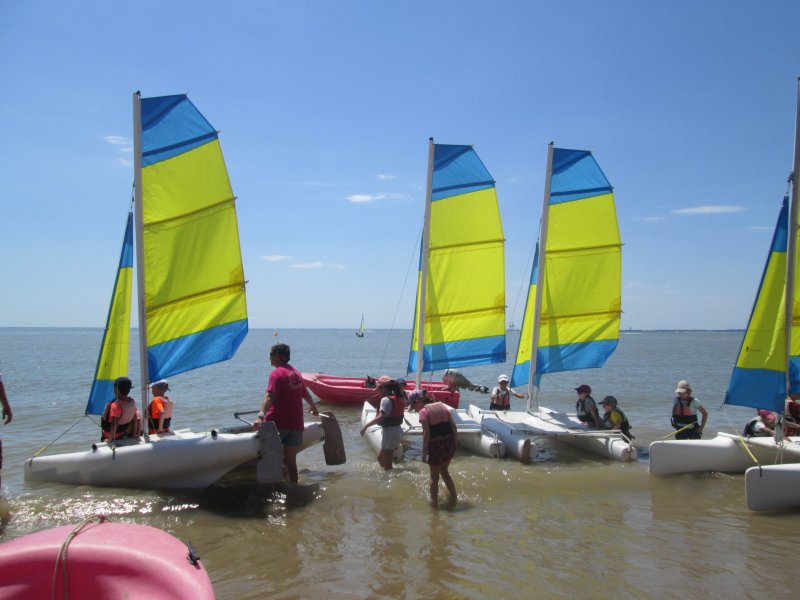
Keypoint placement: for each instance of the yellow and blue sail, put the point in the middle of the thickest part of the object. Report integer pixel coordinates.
(759, 376)
(113, 359)
(465, 293)
(581, 298)
(194, 280)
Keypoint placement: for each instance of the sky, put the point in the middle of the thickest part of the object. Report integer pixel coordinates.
(325, 109)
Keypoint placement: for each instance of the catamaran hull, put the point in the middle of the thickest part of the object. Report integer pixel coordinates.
(518, 443)
(350, 391)
(103, 560)
(516, 428)
(724, 453)
(772, 487)
(184, 460)
(374, 434)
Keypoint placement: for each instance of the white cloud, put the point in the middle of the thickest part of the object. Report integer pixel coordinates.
(116, 140)
(275, 258)
(373, 197)
(383, 177)
(708, 210)
(317, 264)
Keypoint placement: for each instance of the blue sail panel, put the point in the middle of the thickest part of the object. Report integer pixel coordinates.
(196, 350)
(171, 125)
(464, 353)
(112, 361)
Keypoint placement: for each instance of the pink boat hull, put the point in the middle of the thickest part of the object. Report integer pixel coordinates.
(104, 560)
(350, 391)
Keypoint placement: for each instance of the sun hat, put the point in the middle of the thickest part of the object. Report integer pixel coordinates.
(382, 380)
(583, 388)
(683, 387)
(765, 414)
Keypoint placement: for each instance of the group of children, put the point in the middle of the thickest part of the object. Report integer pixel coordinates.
(122, 419)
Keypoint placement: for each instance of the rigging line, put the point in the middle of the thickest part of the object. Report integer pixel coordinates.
(62, 434)
(399, 301)
(525, 281)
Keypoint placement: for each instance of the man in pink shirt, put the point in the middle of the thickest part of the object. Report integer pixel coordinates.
(283, 404)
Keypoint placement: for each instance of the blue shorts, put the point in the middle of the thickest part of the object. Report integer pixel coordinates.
(291, 437)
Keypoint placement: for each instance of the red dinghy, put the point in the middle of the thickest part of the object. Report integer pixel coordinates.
(353, 391)
(101, 560)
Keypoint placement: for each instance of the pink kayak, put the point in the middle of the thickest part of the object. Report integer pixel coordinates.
(354, 391)
(101, 560)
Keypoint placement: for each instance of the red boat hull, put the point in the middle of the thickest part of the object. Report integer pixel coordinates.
(351, 391)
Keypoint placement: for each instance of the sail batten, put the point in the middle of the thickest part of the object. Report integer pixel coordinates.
(461, 278)
(580, 300)
(194, 292)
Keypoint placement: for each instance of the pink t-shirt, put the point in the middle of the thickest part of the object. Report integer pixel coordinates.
(434, 413)
(286, 388)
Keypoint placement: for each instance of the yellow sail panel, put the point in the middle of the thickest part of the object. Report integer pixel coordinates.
(581, 296)
(113, 359)
(759, 376)
(185, 184)
(465, 291)
(194, 279)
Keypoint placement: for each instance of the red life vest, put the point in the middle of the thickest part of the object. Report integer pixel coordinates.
(396, 416)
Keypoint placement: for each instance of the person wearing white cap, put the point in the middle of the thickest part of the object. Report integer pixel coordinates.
(159, 411)
(684, 413)
(501, 395)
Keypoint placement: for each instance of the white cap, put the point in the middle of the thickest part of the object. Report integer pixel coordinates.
(502, 378)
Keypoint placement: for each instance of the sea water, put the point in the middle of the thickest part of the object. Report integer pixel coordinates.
(567, 525)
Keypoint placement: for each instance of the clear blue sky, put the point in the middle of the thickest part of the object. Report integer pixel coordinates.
(325, 109)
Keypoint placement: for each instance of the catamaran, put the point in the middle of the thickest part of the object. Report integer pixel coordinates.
(460, 310)
(767, 367)
(192, 312)
(573, 310)
(360, 332)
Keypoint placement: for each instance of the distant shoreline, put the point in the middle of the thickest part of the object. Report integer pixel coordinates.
(623, 331)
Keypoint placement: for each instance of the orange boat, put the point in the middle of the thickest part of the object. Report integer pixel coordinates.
(353, 391)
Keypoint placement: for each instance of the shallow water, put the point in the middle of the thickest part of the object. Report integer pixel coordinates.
(568, 525)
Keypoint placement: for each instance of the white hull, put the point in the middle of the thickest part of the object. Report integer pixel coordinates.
(724, 453)
(471, 436)
(519, 430)
(182, 460)
(772, 487)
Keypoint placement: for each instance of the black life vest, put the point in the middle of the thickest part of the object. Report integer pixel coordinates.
(584, 416)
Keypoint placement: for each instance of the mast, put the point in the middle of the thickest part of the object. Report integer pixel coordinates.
(423, 281)
(791, 249)
(537, 308)
(139, 231)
